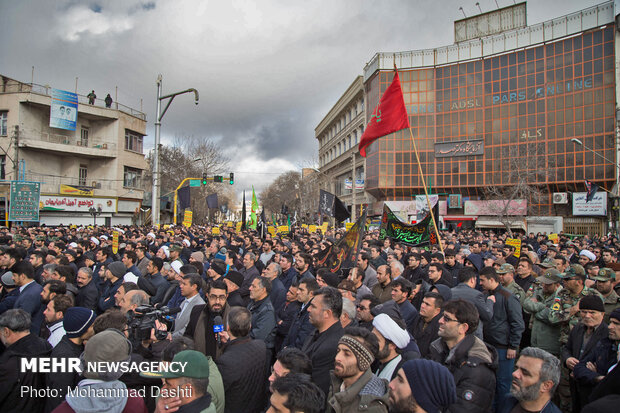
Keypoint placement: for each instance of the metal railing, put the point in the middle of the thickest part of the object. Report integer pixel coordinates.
(51, 184)
(14, 86)
(43, 136)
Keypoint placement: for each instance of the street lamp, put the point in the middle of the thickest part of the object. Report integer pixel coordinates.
(95, 212)
(160, 115)
(578, 142)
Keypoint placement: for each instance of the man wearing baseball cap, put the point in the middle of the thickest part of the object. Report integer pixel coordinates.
(538, 302)
(506, 273)
(186, 389)
(604, 285)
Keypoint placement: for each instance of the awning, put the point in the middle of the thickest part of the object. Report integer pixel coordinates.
(492, 222)
(459, 217)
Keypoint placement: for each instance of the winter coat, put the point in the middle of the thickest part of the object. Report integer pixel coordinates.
(300, 329)
(263, 321)
(505, 328)
(473, 364)
(11, 379)
(425, 336)
(87, 296)
(29, 300)
(368, 394)
(60, 381)
(484, 306)
(243, 366)
(200, 329)
(321, 348)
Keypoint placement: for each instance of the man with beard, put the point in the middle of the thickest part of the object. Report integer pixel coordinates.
(249, 272)
(300, 325)
(54, 314)
(534, 381)
(421, 386)
(302, 265)
(87, 294)
(383, 289)
(288, 272)
(295, 393)
(200, 326)
(392, 340)
(426, 325)
(354, 387)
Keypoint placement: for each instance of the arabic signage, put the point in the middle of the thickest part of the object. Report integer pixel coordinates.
(76, 190)
(515, 242)
(187, 219)
(63, 110)
(115, 242)
(24, 201)
(495, 207)
(419, 234)
(596, 207)
(460, 148)
(75, 203)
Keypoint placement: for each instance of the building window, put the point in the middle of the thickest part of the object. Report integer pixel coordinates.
(133, 141)
(132, 177)
(3, 123)
(84, 136)
(2, 165)
(83, 175)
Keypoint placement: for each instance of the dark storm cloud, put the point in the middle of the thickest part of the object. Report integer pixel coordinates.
(267, 71)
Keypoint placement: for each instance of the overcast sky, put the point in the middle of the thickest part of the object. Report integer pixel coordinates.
(267, 71)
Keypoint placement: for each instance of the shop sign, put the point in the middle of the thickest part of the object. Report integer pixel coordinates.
(76, 204)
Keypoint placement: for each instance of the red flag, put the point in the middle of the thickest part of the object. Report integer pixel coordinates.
(389, 116)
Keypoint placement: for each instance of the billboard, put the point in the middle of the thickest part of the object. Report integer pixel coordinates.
(596, 207)
(63, 110)
(75, 204)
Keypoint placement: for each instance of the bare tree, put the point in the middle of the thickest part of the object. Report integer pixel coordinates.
(190, 157)
(525, 172)
(284, 190)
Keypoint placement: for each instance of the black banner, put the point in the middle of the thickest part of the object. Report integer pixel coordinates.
(343, 253)
(415, 235)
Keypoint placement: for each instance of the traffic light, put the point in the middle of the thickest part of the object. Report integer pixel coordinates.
(204, 178)
(217, 178)
(232, 178)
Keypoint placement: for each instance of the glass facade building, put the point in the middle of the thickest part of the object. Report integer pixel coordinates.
(480, 123)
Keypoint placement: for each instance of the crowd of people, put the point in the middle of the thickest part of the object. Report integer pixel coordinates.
(471, 325)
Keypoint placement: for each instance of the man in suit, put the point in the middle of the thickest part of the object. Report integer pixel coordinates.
(29, 298)
(190, 285)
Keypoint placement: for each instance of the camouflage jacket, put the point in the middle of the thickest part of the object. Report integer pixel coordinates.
(560, 310)
(611, 303)
(516, 290)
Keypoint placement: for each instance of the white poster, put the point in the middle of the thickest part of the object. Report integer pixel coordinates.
(596, 207)
(76, 204)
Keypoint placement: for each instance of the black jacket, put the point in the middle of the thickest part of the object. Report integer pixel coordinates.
(506, 326)
(321, 348)
(284, 319)
(473, 366)
(425, 336)
(11, 379)
(572, 348)
(243, 366)
(64, 349)
(300, 329)
(87, 296)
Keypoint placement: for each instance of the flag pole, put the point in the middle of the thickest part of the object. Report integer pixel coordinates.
(428, 201)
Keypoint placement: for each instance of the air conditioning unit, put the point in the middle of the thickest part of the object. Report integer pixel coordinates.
(560, 198)
(96, 185)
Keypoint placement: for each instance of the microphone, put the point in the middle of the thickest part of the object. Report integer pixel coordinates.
(218, 327)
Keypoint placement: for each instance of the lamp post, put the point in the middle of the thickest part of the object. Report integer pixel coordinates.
(95, 212)
(578, 142)
(160, 115)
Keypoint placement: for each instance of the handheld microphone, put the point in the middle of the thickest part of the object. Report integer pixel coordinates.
(218, 327)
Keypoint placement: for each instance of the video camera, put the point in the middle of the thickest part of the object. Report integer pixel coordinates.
(141, 321)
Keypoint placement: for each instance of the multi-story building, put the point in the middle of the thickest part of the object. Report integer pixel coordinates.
(341, 168)
(98, 165)
(506, 104)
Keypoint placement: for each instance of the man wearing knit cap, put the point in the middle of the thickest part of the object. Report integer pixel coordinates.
(78, 325)
(593, 368)
(216, 270)
(101, 391)
(354, 388)
(392, 339)
(113, 274)
(421, 386)
(581, 342)
(233, 281)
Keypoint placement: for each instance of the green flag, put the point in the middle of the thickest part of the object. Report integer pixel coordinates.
(253, 220)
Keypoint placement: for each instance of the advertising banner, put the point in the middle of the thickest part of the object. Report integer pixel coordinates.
(76, 204)
(76, 190)
(63, 110)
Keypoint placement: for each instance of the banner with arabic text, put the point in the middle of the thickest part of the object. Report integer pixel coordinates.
(414, 235)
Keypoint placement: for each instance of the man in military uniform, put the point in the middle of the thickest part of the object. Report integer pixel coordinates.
(506, 274)
(565, 312)
(39, 241)
(604, 285)
(538, 302)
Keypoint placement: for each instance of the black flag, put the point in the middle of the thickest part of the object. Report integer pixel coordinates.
(243, 227)
(212, 201)
(184, 197)
(591, 188)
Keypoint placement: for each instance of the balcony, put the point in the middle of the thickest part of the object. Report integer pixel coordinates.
(51, 184)
(93, 147)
